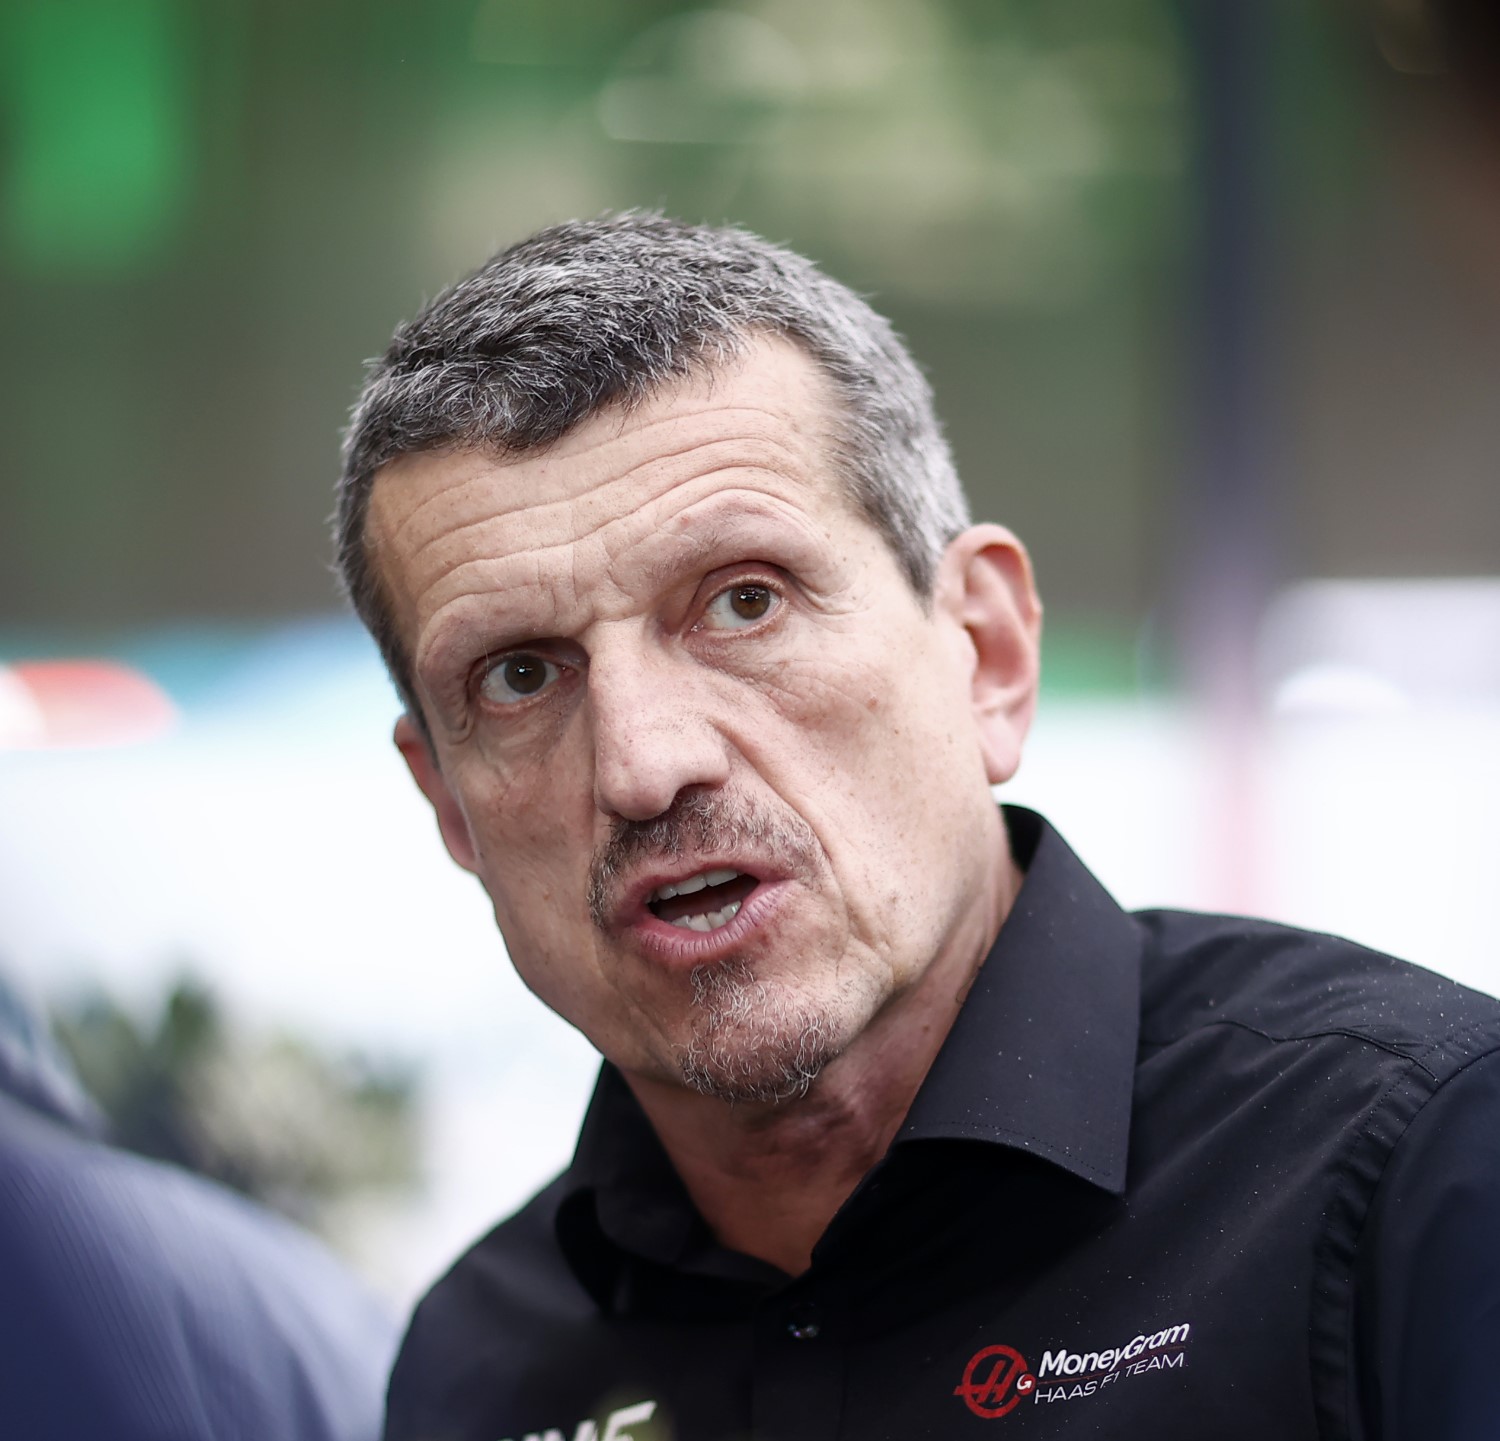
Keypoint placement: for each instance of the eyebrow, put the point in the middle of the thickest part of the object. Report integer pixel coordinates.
(454, 644)
(728, 533)
(691, 549)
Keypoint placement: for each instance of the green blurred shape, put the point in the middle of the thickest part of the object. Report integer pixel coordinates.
(1081, 661)
(97, 113)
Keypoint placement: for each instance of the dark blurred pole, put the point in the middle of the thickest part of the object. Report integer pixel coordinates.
(1227, 566)
(1227, 503)
(1467, 33)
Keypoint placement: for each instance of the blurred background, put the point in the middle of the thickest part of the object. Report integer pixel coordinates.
(1209, 291)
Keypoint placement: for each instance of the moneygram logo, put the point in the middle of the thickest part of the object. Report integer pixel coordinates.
(996, 1380)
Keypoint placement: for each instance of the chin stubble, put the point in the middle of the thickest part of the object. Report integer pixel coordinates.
(751, 1041)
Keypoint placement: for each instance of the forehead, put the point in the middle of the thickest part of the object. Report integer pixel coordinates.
(736, 445)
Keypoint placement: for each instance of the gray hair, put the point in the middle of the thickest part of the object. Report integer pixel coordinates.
(599, 313)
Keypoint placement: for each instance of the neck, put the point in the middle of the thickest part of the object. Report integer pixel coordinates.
(769, 1177)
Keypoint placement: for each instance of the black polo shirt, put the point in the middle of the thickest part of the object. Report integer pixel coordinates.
(1171, 1176)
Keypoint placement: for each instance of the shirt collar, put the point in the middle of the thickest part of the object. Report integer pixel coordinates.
(636, 1192)
(1042, 1055)
(1041, 1059)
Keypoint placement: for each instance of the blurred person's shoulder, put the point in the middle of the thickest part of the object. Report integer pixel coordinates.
(143, 1301)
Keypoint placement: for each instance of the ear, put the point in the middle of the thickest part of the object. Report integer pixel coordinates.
(417, 752)
(985, 585)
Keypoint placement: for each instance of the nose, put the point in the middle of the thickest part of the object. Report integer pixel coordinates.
(653, 732)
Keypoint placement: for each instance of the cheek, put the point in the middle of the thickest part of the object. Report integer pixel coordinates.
(903, 705)
(889, 772)
(527, 826)
(531, 789)
(818, 724)
(498, 810)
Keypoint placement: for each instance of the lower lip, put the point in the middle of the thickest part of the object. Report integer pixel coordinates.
(676, 945)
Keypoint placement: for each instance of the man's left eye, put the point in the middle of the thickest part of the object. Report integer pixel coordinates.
(740, 606)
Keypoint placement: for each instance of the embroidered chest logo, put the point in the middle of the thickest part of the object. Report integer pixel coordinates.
(614, 1427)
(997, 1378)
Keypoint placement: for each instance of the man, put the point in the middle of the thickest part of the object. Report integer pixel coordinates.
(904, 1128)
(141, 1303)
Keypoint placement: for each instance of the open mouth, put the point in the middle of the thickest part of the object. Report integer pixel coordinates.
(703, 902)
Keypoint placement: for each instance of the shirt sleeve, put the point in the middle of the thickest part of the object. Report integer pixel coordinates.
(1427, 1288)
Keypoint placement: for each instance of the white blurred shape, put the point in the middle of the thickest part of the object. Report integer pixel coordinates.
(1433, 641)
(1330, 688)
(1378, 822)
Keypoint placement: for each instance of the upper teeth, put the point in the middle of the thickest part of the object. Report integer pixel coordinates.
(694, 883)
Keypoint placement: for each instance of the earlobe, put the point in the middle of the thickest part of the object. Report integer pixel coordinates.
(422, 763)
(987, 586)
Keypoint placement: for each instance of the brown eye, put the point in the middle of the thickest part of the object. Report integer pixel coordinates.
(513, 678)
(740, 606)
(750, 602)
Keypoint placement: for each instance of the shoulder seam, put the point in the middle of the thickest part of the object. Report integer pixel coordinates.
(1346, 1033)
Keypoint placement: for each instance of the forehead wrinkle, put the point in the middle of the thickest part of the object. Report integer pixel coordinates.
(387, 488)
(763, 446)
(695, 460)
(674, 404)
(637, 426)
(521, 573)
(455, 536)
(593, 496)
(496, 579)
(502, 575)
(576, 530)
(721, 524)
(778, 427)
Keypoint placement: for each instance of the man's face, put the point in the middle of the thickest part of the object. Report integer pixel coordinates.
(720, 771)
